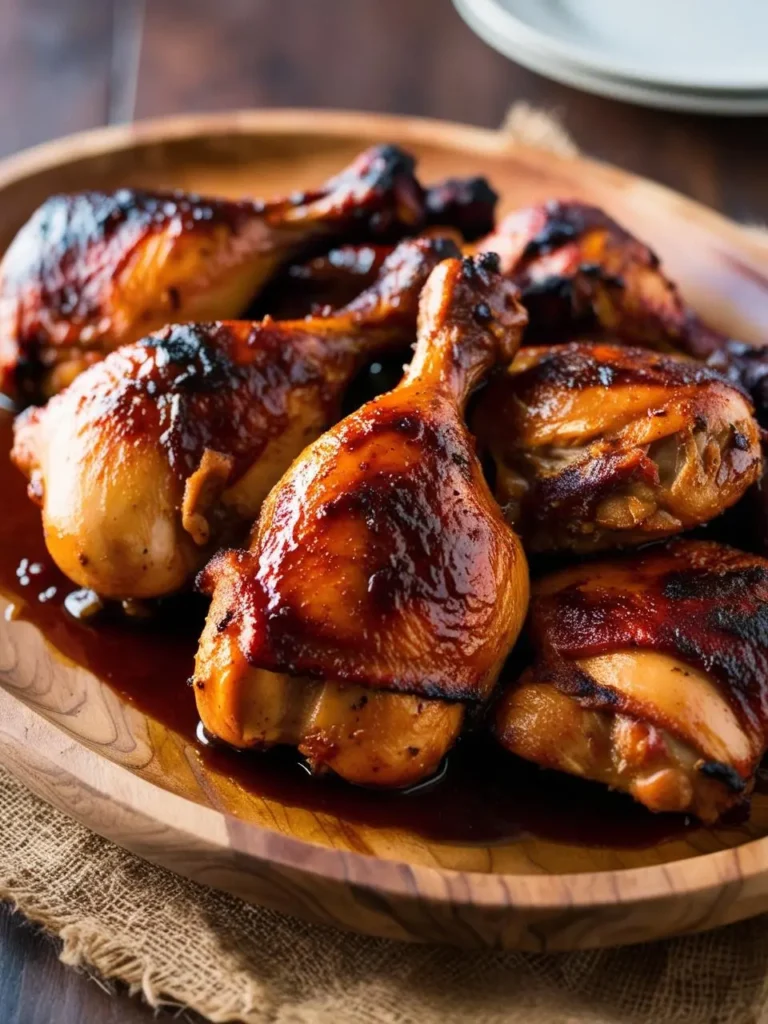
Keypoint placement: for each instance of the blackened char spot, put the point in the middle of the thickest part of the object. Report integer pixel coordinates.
(593, 694)
(480, 268)
(203, 366)
(706, 584)
(750, 625)
(410, 426)
(740, 441)
(489, 262)
(464, 203)
(225, 620)
(563, 225)
(482, 314)
(388, 163)
(569, 678)
(553, 306)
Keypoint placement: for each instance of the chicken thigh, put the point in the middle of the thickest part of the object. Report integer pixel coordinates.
(170, 444)
(380, 568)
(599, 446)
(649, 674)
(578, 269)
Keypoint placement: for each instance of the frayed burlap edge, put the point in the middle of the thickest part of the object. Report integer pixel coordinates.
(542, 129)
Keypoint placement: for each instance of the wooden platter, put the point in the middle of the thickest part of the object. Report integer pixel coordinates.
(90, 751)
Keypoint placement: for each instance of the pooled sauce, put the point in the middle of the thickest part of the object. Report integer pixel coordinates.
(482, 795)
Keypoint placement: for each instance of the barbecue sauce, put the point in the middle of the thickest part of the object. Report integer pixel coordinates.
(481, 796)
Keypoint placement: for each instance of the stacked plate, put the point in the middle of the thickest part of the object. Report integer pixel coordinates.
(709, 56)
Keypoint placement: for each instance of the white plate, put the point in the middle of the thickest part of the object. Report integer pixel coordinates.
(541, 59)
(709, 45)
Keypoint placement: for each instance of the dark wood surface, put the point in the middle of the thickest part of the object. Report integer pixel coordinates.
(74, 65)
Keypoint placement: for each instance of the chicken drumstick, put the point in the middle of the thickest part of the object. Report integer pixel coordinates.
(380, 567)
(92, 271)
(170, 444)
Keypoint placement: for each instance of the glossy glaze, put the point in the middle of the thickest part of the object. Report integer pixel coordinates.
(166, 448)
(600, 445)
(148, 661)
(649, 674)
(94, 270)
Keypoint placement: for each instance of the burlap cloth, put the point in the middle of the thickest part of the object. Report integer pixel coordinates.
(177, 942)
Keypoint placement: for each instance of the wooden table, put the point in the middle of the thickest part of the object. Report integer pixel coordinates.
(74, 65)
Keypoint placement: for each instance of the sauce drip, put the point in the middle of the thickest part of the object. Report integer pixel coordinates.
(482, 795)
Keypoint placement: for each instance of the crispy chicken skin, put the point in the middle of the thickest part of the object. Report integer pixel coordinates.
(380, 566)
(650, 674)
(599, 446)
(92, 271)
(169, 444)
(336, 277)
(580, 272)
(464, 205)
(578, 269)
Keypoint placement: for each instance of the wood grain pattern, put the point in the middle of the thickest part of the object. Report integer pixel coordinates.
(126, 776)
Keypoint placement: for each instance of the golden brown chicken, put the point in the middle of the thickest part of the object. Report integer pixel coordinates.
(170, 443)
(380, 567)
(96, 270)
(649, 674)
(597, 446)
(578, 269)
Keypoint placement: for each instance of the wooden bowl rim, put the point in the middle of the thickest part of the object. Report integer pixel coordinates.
(342, 124)
(445, 886)
(398, 878)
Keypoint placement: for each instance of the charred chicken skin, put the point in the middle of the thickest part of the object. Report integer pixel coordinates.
(650, 674)
(93, 271)
(336, 277)
(599, 446)
(381, 590)
(578, 269)
(464, 205)
(170, 444)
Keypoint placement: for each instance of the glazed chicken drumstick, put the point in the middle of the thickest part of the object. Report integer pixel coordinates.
(170, 444)
(95, 270)
(649, 674)
(600, 446)
(381, 590)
